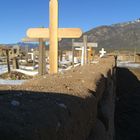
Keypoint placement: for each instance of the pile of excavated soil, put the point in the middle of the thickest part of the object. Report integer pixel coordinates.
(59, 106)
(15, 76)
(73, 80)
(127, 116)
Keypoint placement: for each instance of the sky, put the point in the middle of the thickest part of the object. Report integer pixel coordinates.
(16, 16)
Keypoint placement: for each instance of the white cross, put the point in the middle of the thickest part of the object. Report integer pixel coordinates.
(82, 57)
(102, 53)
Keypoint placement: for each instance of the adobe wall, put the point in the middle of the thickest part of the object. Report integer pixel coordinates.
(75, 105)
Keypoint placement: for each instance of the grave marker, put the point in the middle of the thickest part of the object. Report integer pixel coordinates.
(102, 53)
(53, 33)
(84, 45)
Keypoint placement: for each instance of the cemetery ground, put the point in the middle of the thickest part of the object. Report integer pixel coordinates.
(127, 116)
(20, 103)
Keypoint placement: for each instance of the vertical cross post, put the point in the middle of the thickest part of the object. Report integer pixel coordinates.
(42, 57)
(14, 58)
(53, 31)
(72, 53)
(90, 55)
(7, 58)
(85, 49)
(26, 53)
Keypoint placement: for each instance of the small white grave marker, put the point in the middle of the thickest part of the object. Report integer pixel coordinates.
(102, 53)
(82, 57)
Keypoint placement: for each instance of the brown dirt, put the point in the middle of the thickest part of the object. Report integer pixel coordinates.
(127, 116)
(76, 79)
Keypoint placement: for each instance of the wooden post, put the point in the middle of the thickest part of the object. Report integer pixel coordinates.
(42, 57)
(15, 63)
(61, 55)
(8, 63)
(85, 48)
(72, 53)
(26, 53)
(135, 55)
(90, 54)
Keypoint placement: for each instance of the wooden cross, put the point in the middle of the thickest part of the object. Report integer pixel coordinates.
(53, 33)
(42, 53)
(84, 45)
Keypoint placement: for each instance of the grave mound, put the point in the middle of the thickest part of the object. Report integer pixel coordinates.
(15, 76)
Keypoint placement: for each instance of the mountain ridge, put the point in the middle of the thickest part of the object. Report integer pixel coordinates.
(118, 36)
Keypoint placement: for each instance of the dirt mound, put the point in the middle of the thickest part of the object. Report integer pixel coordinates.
(75, 79)
(15, 76)
(55, 107)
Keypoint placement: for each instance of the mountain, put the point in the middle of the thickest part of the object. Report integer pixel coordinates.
(114, 37)
(21, 44)
(31, 45)
(121, 36)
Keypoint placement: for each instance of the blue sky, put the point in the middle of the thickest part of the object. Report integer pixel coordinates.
(16, 16)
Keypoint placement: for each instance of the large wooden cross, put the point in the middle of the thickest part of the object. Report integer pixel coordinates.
(42, 53)
(84, 45)
(53, 33)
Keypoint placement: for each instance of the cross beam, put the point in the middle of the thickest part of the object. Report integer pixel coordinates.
(62, 33)
(27, 39)
(85, 44)
(53, 33)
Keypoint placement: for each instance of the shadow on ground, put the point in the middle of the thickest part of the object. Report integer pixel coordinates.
(26, 115)
(127, 115)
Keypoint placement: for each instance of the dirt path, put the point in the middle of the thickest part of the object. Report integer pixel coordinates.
(127, 116)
